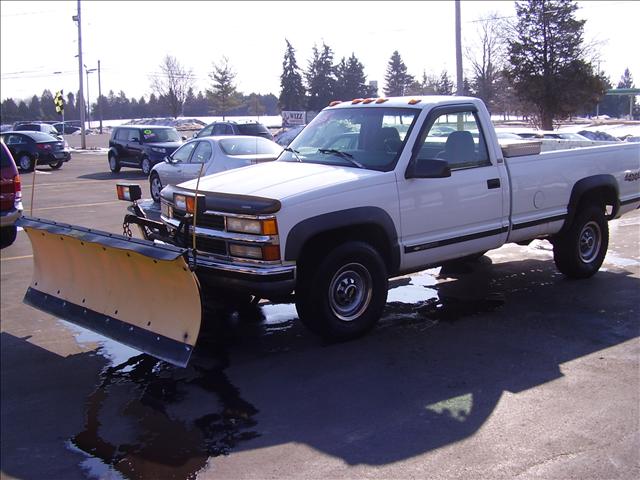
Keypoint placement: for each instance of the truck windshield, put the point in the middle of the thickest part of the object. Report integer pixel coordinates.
(361, 137)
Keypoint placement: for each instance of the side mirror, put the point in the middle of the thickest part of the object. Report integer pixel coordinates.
(135, 140)
(184, 139)
(195, 135)
(167, 159)
(428, 168)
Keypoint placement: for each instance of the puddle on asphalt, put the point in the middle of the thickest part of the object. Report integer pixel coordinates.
(149, 419)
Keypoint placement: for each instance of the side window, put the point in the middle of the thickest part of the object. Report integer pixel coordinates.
(457, 138)
(182, 154)
(133, 135)
(122, 134)
(206, 131)
(202, 153)
(219, 129)
(228, 130)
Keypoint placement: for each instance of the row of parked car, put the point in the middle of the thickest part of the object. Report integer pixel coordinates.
(168, 159)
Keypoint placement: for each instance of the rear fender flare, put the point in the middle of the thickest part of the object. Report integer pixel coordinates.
(584, 187)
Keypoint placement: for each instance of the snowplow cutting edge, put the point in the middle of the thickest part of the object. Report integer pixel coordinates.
(134, 291)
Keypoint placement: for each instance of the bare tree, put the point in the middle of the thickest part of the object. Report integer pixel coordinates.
(487, 56)
(172, 84)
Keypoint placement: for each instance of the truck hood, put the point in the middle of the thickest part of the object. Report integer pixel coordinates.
(279, 180)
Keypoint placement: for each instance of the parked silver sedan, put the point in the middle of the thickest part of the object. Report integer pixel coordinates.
(211, 155)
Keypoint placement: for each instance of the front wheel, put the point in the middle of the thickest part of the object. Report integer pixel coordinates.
(114, 164)
(146, 166)
(26, 163)
(56, 165)
(580, 251)
(343, 295)
(155, 186)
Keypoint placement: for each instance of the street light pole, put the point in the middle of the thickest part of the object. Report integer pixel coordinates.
(83, 141)
(88, 70)
(99, 97)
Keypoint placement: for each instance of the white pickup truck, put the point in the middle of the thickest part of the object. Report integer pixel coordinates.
(369, 190)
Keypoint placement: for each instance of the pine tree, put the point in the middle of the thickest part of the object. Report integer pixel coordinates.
(546, 65)
(445, 84)
(396, 78)
(35, 111)
(223, 94)
(351, 82)
(292, 93)
(320, 77)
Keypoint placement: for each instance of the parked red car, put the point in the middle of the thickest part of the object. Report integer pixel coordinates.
(10, 197)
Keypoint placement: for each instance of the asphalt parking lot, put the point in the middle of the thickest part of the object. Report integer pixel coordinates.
(500, 368)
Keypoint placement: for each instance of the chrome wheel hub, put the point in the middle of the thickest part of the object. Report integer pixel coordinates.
(589, 242)
(350, 292)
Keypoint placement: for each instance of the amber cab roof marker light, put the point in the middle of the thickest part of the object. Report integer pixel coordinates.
(381, 100)
(368, 100)
(356, 101)
(413, 101)
(335, 102)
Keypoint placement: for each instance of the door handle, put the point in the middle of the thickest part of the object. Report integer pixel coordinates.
(493, 183)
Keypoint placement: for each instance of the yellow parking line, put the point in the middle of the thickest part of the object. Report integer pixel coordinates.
(16, 258)
(73, 206)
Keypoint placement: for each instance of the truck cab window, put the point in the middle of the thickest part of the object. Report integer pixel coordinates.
(458, 139)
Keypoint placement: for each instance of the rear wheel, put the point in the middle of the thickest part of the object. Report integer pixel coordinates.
(580, 251)
(146, 166)
(8, 235)
(342, 296)
(26, 163)
(155, 186)
(114, 164)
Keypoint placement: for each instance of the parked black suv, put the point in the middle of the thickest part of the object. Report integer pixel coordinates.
(235, 128)
(141, 146)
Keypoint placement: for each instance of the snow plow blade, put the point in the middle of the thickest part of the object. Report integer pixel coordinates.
(134, 291)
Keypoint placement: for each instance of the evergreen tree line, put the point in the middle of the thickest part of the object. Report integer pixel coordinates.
(534, 67)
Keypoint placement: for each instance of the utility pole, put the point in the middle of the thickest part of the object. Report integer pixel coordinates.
(460, 80)
(99, 97)
(77, 18)
(88, 99)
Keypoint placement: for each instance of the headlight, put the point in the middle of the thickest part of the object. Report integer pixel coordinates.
(265, 252)
(187, 203)
(268, 226)
(158, 150)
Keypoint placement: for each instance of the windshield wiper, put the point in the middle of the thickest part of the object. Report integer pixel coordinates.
(295, 153)
(341, 154)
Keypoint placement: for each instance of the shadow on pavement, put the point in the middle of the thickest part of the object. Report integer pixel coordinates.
(430, 375)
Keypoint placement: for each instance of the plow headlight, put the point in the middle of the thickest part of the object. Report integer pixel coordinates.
(267, 226)
(188, 203)
(129, 192)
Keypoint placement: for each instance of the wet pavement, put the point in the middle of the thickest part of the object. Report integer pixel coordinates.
(498, 368)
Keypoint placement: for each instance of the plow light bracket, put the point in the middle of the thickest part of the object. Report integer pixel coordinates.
(129, 192)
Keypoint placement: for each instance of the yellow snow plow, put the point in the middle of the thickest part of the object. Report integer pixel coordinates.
(137, 292)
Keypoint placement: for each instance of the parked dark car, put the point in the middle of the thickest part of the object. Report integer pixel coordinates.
(37, 127)
(10, 197)
(253, 129)
(69, 127)
(141, 146)
(29, 147)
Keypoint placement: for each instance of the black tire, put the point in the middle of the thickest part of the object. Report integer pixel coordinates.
(114, 163)
(26, 163)
(56, 165)
(145, 165)
(580, 251)
(8, 235)
(342, 296)
(155, 185)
